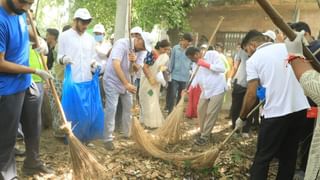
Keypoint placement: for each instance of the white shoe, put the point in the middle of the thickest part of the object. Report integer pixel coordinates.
(245, 135)
(90, 145)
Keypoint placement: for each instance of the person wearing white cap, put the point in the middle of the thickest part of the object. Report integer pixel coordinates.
(151, 80)
(102, 48)
(270, 35)
(76, 47)
(117, 82)
(136, 31)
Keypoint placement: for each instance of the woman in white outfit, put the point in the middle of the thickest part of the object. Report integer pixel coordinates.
(150, 84)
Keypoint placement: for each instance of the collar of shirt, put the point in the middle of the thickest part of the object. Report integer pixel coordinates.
(264, 45)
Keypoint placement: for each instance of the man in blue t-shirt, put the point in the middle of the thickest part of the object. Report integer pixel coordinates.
(16, 90)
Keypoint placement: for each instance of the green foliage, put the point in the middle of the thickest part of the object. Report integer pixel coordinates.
(171, 14)
(102, 11)
(145, 13)
(168, 13)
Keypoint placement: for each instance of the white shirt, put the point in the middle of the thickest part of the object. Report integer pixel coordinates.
(102, 50)
(212, 81)
(81, 49)
(284, 94)
(120, 51)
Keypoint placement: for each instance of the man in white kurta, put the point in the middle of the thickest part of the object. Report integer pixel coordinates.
(213, 86)
(77, 47)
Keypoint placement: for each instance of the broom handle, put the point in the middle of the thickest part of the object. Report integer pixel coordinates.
(192, 77)
(234, 130)
(131, 71)
(285, 28)
(51, 84)
(221, 18)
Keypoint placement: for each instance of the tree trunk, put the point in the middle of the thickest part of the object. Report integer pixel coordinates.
(121, 24)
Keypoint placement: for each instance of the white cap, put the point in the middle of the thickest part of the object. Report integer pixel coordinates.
(112, 36)
(82, 13)
(136, 29)
(146, 36)
(270, 34)
(205, 46)
(99, 28)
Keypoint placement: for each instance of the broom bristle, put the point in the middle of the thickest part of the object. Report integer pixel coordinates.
(84, 164)
(170, 132)
(145, 142)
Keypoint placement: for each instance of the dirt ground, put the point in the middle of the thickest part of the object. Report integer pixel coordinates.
(128, 162)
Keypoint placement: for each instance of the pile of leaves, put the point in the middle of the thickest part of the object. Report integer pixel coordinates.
(129, 162)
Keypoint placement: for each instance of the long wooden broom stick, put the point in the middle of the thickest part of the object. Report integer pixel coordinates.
(221, 18)
(285, 28)
(85, 165)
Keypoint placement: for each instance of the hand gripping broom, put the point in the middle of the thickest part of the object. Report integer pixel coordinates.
(84, 164)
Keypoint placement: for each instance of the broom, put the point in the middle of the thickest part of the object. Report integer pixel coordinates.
(170, 131)
(145, 142)
(201, 160)
(84, 164)
(285, 28)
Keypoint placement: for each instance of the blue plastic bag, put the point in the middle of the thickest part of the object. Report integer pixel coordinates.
(82, 106)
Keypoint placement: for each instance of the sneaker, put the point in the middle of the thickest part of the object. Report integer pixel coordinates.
(40, 168)
(19, 152)
(201, 141)
(90, 145)
(109, 146)
(298, 175)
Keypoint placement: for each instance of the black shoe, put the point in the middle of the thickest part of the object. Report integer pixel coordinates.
(39, 169)
(109, 146)
(18, 152)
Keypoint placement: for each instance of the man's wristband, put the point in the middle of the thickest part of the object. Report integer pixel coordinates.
(292, 57)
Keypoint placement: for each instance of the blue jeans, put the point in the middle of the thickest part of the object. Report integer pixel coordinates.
(174, 93)
(112, 98)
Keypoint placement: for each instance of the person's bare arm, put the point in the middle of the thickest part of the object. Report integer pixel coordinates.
(249, 98)
(300, 66)
(234, 68)
(9, 67)
(117, 66)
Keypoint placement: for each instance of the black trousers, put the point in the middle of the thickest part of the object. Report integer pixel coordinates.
(279, 135)
(174, 93)
(236, 105)
(26, 108)
(305, 142)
